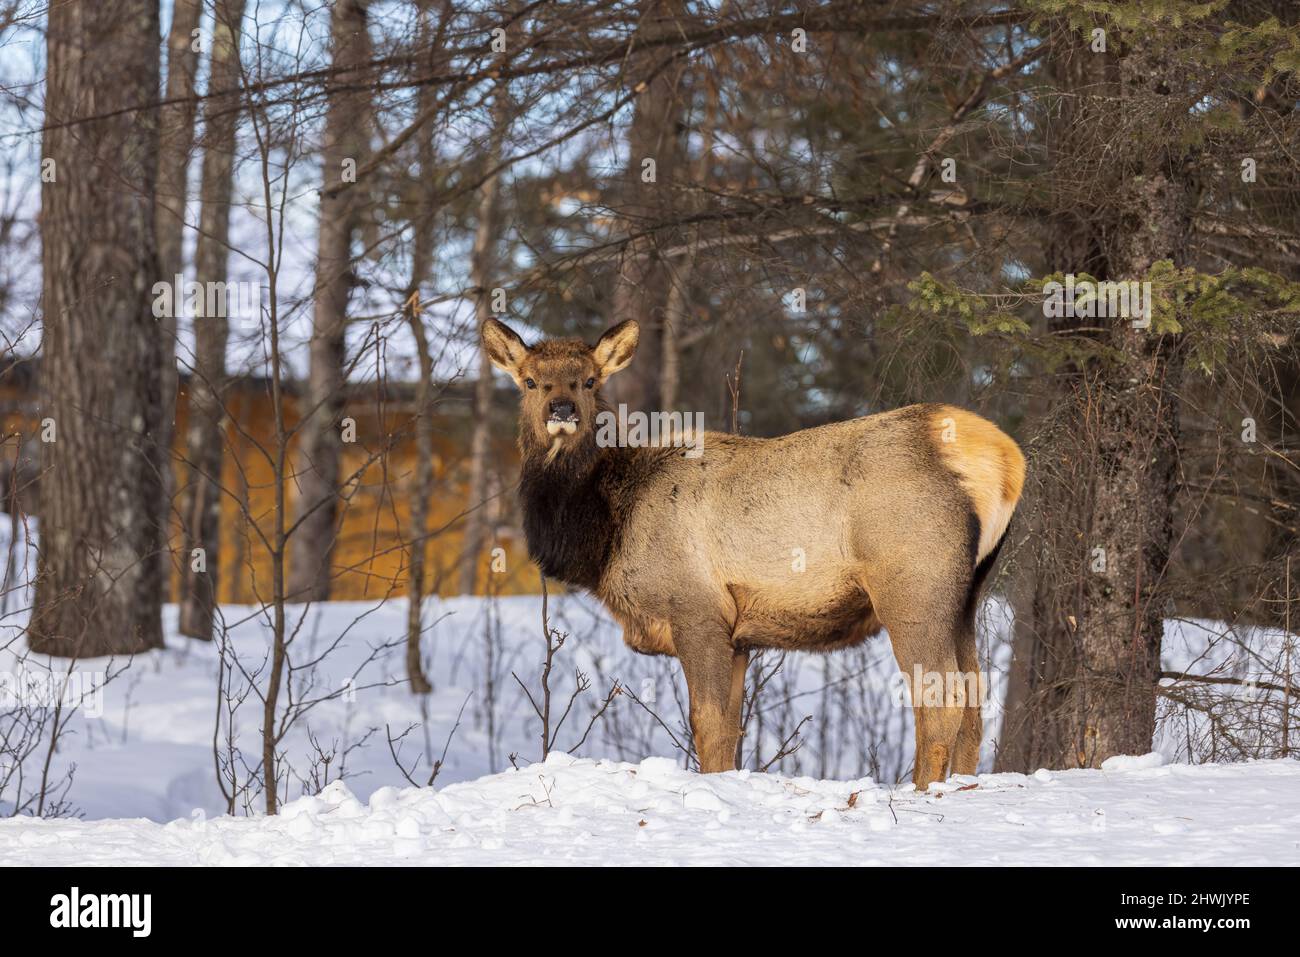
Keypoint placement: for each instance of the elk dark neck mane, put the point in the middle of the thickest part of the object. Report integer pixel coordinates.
(575, 505)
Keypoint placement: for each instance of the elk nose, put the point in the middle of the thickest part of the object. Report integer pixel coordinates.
(563, 409)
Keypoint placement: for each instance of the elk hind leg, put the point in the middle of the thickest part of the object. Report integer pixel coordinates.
(736, 700)
(966, 757)
(928, 658)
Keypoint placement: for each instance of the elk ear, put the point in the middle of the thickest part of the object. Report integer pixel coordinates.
(616, 348)
(504, 347)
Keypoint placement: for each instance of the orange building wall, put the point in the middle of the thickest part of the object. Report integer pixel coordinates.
(371, 555)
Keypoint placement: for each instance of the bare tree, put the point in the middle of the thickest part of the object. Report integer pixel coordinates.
(176, 139)
(654, 154)
(482, 266)
(321, 452)
(431, 33)
(201, 509)
(421, 488)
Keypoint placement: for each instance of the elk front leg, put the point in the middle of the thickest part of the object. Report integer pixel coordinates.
(708, 663)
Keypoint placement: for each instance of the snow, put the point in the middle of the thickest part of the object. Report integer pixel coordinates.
(144, 791)
(142, 746)
(596, 812)
(1133, 762)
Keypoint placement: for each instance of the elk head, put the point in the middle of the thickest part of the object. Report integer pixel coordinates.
(559, 380)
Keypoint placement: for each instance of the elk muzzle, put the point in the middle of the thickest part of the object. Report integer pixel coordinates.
(563, 417)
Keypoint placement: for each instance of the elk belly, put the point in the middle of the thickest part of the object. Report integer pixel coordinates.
(827, 622)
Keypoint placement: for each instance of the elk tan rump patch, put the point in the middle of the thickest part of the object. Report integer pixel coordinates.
(988, 464)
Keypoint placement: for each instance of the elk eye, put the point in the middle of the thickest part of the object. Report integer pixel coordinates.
(530, 383)
(590, 383)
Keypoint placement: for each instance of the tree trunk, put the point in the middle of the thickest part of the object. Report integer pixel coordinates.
(680, 274)
(641, 288)
(321, 451)
(422, 482)
(176, 141)
(670, 350)
(1090, 614)
(99, 580)
(1072, 245)
(205, 438)
(422, 489)
(482, 269)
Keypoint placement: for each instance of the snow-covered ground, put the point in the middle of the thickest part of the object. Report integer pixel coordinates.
(142, 744)
(135, 777)
(577, 811)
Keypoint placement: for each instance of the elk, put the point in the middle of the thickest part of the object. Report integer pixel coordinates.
(893, 520)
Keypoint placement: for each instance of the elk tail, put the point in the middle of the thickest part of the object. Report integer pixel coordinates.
(990, 468)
